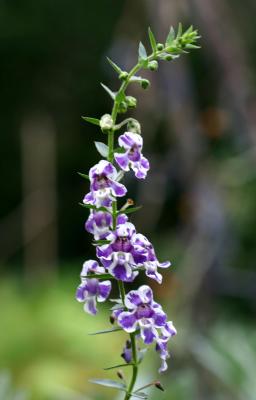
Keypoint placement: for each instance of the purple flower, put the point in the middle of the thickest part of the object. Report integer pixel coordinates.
(100, 222)
(90, 291)
(151, 263)
(104, 186)
(143, 313)
(132, 157)
(120, 256)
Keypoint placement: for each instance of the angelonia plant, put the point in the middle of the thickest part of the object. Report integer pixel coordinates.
(122, 252)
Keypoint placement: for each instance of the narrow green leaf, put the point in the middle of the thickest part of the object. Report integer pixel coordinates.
(152, 40)
(113, 65)
(105, 331)
(118, 366)
(140, 395)
(192, 46)
(93, 121)
(130, 210)
(109, 383)
(170, 38)
(83, 175)
(101, 242)
(102, 148)
(142, 53)
(189, 30)
(94, 207)
(109, 91)
(179, 30)
(98, 276)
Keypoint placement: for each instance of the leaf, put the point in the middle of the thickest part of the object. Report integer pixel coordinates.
(143, 58)
(170, 38)
(113, 65)
(118, 366)
(93, 121)
(130, 210)
(83, 175)
(98, 276)
(152, 40)
(105, 331)
(179, 30)
(109, 91)
(109, 383)
(101, 242)
(140, 395)
(92, 207)
(102, 148)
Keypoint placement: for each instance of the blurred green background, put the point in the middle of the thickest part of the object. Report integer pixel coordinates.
(199, 127)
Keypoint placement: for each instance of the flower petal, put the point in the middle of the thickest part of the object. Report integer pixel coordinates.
(90, 305)
(104, 290)
(127, 321)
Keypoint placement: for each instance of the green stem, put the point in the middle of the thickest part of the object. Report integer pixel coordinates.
(114, 114)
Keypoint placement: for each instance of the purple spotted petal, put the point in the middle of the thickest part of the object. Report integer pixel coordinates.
(90, 306)
(127, 321)
(104, 290)
(122, 160)
(133, 299)
(81, 292)
(118, 189)
(91, 266)
(148, 334)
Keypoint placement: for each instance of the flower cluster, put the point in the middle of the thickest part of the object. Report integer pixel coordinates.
(122, 252)
(141, 312)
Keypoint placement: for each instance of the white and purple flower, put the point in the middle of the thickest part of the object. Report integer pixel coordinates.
(92, 290)
(104, 186)
(100, 223)
(120, 257)
(151, 264)
(132, 157)
(144, 314)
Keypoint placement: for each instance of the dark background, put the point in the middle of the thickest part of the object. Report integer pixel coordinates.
(199, 127)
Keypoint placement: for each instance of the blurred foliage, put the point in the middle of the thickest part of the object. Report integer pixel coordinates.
(44, 341)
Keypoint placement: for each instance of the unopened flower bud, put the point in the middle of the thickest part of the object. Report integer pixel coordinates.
(159, 46)
(159, 386)
(120, 374)
(106, 122)
(134, 126)
(123, 76)
(153, 65)
(168, 57)
(144, 83)
(122, 107)
(131, 101)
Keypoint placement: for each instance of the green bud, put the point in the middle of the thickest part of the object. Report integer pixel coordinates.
(123, 76)
(153, 65)
(168, 57)
(144, 83)
(131, 101)
(106, 122)
(134, 126)
(122, 107)
(160, 46)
